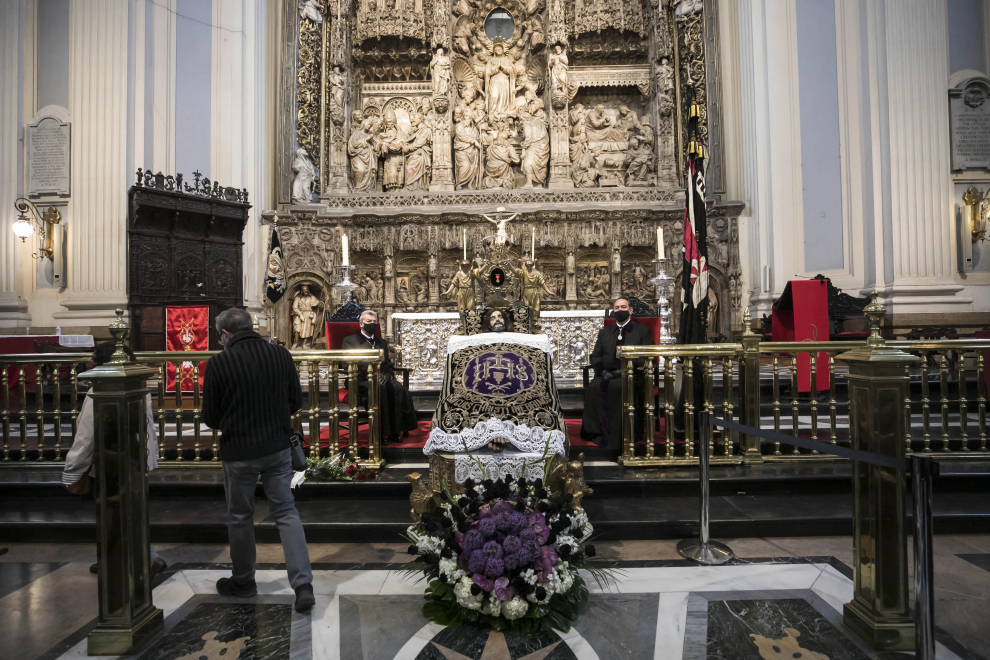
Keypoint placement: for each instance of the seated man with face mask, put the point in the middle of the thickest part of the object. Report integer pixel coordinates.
(601, 422)
(398, 415)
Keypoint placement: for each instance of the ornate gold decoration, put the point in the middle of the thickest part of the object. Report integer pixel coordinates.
(574, 483)
(421, 497)
(308, 92)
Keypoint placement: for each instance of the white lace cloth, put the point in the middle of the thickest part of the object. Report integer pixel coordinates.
(525, 439)
(457, 342)
(498, 466)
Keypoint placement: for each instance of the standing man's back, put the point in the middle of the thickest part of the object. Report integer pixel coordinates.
(250, 392)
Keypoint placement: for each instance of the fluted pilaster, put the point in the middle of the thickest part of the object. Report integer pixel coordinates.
(98, 102)
(13, 311)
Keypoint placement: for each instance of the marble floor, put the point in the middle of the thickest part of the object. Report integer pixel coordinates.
(782, 598)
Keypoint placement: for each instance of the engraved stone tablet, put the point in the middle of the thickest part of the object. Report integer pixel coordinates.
(969, 117)
(48, 149)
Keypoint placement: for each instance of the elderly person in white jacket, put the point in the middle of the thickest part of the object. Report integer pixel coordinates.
(79, 470)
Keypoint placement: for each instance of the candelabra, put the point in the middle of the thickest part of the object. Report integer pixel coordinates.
(665, 290)
(344, 288)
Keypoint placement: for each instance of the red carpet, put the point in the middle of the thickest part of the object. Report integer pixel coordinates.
(417, 438)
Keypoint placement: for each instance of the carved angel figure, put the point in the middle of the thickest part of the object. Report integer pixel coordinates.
(467, 151)
(305, 180)
(501, 156)
(311, 10)
(421, 497)
(685, 8)
(574, 483)
(440, 72)
(535, 149)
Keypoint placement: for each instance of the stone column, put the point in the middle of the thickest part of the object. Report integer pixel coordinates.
(128, 617)
(13, 309)
(878, 386)
(97, 233)
(913, 214)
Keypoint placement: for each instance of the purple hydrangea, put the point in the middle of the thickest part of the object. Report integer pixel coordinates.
(516, 521)
(493, 550)
(502, 522)
(511, 544)
(494, 568)
(527, 534)
(473, 540)
(477, 562)
(486, 527)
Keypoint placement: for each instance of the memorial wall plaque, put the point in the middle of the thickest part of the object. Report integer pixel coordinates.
(969, 117)
(48, 156)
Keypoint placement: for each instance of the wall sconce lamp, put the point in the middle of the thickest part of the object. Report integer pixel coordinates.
(29, 217)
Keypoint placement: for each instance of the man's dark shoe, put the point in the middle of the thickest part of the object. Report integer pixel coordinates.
(157, 567)
(94, 568)
(304, 598)
(227, 587)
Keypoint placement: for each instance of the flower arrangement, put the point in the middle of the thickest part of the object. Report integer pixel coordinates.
(506, 555)
(337, 468)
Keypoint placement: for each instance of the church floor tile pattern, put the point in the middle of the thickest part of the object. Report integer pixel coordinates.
(783, 593)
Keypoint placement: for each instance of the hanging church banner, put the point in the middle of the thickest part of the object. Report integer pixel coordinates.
(505, 381)
(186, 329)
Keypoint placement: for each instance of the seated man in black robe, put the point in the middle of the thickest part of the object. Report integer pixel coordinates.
(602, 419)
(398, 415)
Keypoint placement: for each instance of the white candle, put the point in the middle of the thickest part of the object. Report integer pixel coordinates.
(532, 247)
(465, 245)
(343, 241)
(660, 249)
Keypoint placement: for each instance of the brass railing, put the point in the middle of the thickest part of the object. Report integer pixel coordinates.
(757, 383)
(36, 388)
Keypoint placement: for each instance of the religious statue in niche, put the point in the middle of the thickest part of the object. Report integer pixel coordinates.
(304, 183)
(336, 81)
(304, 318)
(535, 147)
(390, 146)
(311, 10)
(558, 77)
(641, 166)
(440, 73)
(502, 156)
(500, 84)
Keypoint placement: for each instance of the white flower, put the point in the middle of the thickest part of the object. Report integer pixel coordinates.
(562, 577)
(515, 608)
(492, 606)
(462, 591)
(568, 540)
(448, 567)
(430, 544)
(529, 575)
(578, 520)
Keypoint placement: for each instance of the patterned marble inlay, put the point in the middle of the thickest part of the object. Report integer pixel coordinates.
(223, 631)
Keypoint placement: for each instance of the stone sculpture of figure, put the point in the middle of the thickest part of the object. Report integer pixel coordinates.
(639, 279)
(501, 236)
(421, 295)
(570, 270)
(498, 168)
(532, 285)
(534, 27)
(641, 157)
(390, 146)
(403, 292)
(376, 278)
(602, 132)
(585, 174)
(420, 158)
(336, 81)
(388, 267)
(311, 10)
(500, 83)
(467, 151)
(535, 149)
(558, 76)
(578, 138)
(440, 72)
(304, 318)
(616, 262)
(432, 269)
(305, 180)
(685, 8)
(665, 76)
(462, 286)
(362, 148)
(627, 120)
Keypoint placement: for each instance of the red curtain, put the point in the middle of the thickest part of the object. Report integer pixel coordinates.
(186, 329)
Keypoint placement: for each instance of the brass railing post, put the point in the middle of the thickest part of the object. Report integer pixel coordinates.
(878, 385)
(374, 415)
(128, 617)
(352, 410)
(749, 386)
(628, 411)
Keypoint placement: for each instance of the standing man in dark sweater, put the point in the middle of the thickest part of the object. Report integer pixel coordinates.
(602, 419)
(250, 392)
